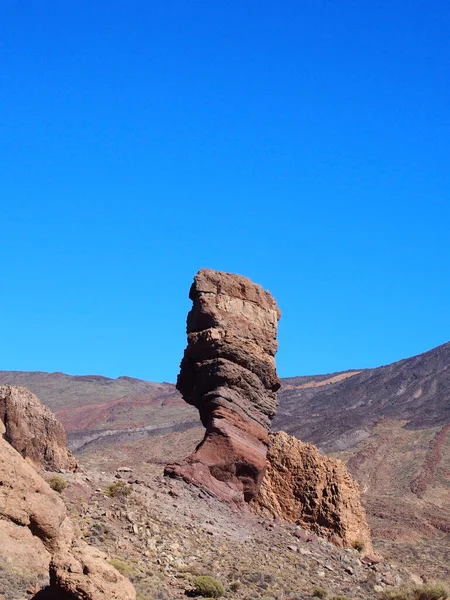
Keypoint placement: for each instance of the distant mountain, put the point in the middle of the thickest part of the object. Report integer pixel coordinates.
(336, 411)
(95, 408)
(392, 427)
(390, 424)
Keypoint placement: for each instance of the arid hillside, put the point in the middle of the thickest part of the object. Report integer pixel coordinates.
(391, 425)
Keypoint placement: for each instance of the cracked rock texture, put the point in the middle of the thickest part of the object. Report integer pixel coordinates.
(228, 373)
(33, 430)
(37, 538)
(305, 487)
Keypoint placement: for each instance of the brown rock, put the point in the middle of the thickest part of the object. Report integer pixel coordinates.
(33, 430)
(82, 573)
(36, 534)
(305, 487)
(371, 559)
(228, 372)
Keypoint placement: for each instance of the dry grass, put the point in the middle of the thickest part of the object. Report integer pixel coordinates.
(57, 483)
(429, 591)
(118, 489)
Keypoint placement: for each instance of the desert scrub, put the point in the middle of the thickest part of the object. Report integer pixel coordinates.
(358, 545)
(123, 567)
(428, 591)
(208, 587)
(57, 483)
(319, 592)
(118, 489)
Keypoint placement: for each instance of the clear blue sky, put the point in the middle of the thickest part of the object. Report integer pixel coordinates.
(303, 144)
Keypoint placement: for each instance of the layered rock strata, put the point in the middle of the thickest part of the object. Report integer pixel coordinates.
(317, 492)
(228, 372)
(33, 430)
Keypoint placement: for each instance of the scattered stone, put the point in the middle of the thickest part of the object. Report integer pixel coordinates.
(301, 534)
(389, 579)
(371, 559)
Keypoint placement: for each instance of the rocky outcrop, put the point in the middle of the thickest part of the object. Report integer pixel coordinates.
(33, 430)
(305, 487)
(228, 372)
(36, 534)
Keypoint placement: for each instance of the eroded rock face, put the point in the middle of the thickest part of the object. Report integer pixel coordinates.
(305, 487)
(33, 430)
(228, 372)
(81, 572)
(37, 537)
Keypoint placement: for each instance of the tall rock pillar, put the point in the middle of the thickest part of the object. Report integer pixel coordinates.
(228, 372)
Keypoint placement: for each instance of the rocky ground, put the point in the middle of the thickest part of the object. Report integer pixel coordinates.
(162, 533)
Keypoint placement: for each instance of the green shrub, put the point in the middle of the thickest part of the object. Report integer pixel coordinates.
(117, 489)
(319, 592)
(57, 483)
(208, 587)
(428, 591)
(358, 545)
(120, 565)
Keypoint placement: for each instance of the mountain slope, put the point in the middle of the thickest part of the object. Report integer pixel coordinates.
(391, 425)
(416, 390)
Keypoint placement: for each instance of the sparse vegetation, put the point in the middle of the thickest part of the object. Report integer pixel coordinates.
(358, 545)
(123, 567)
(208, 587)
(118, 489)
(429, 591)
(319, 592)
(57, 483)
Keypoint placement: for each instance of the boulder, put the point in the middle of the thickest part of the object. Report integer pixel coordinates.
(315, 491)
(228, 373)
(37, 538)
(33, 430)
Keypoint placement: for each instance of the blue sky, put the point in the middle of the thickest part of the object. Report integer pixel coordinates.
(303, 144)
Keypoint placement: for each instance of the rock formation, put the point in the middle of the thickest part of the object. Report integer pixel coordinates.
(36, 533)
(303, 486)
(228, 372)
(33, 430)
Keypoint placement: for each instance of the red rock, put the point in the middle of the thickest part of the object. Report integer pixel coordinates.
(301, 535)
(371, 559)
(228, 372)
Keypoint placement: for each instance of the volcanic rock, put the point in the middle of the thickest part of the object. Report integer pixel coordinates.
(228, 373)
(33, 430)
(36, 536)
(317, 492)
